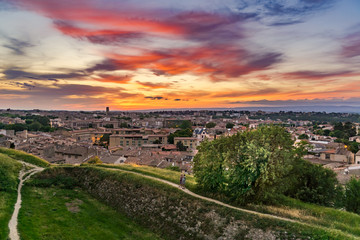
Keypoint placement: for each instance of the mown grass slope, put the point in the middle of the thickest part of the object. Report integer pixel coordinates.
(9, 171)
(67, 214)
(23, 156)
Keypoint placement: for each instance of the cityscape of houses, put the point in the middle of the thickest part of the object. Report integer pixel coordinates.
(160, 139)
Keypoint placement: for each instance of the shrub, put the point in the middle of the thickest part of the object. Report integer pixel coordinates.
(352, 196)
(312, 183)
(94, 160)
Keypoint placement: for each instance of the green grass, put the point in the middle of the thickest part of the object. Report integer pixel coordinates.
(166, 174)
(23, 156)
(45, 215)
(9, 171)
(313, 214)
(290, 208)
(199, 208)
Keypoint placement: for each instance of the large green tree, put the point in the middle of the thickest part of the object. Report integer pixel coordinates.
(312, 183)
(352, 196)
(248, 166)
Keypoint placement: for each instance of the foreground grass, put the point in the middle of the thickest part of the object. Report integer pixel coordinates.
(165, 174)
(9, 171)
(287, 207)
(56, 213)
(23, 156)
(313, 214)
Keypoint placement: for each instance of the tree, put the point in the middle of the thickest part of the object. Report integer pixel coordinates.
(35, 126)
(248, 166)
(352, 196)
(185, 124)
(104, 139)
(230, 125)
(352, 146)
(124, 125)
(179, 133)
(210, 125)
(180, 146)
(312, 183)
(94, 160)
(304, 136)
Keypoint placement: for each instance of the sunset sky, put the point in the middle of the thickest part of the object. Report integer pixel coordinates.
(137, 54)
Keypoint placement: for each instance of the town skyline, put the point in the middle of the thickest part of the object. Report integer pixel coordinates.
(131, 55)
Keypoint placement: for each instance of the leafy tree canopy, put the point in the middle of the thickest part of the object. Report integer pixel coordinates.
(210, 125)
(246, 166)
(229, 125)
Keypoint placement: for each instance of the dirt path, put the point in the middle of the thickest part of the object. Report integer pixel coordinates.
(351, 236)
(23, 176)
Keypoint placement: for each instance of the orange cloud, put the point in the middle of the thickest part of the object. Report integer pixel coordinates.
(114, 79)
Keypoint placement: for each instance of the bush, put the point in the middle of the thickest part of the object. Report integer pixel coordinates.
(312, 183)
(94, 160)
(352, 196)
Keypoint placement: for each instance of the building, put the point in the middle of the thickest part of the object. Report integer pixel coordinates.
(201, 134)
(357, 157)
(190, 142)
(135, 140)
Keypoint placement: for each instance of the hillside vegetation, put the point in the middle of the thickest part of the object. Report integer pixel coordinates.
(23, 156)
(9, 171)
(58, 213)
(174, 214)
(285, 207)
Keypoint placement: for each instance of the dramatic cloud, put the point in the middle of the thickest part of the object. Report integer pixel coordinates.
(17, 46)
(154, 85)
(114, 78)
(155, 98)
(11, 74)
(319, 75)
(280, 12)
(101, 36)
(132, 54)
(219, 62)
(351, 48)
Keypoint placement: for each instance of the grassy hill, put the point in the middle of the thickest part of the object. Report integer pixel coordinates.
(67, 214)
(25, 157)
(9, 170)
(100, 202)
(312, 214)
(174, 214)
(58, 212)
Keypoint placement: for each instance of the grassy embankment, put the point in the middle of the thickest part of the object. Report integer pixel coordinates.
(166, 209)
(9, 171)
(287, 207)
(58, 213)
(23, 156)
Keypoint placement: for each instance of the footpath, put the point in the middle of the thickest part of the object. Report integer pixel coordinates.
(23, 176)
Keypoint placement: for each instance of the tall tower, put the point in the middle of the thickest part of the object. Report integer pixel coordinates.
(107, 110)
